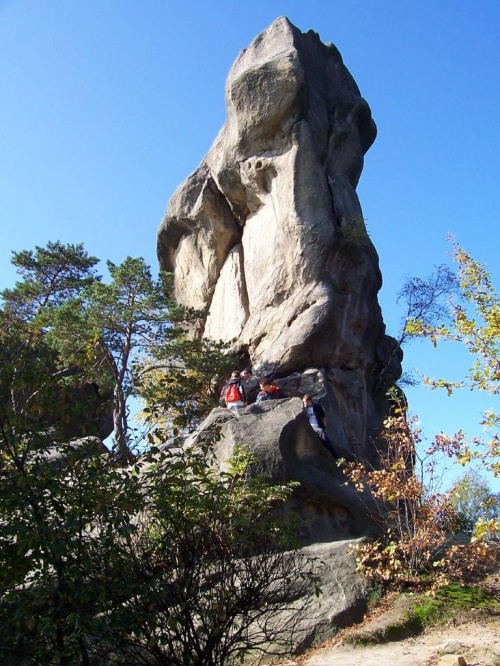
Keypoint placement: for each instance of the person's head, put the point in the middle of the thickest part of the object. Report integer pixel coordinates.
(246, 374)
(235, 374)
(307, 400)
(265, 384)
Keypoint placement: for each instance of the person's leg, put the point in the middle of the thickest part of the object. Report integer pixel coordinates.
(325, 440)
(328, 445)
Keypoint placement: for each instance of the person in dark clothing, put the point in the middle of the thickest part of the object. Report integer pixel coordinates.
(317, 420)
(234, 392)
(268, 391)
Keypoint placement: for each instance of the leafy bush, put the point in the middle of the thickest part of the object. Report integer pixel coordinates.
(415, 525)
(164, 562)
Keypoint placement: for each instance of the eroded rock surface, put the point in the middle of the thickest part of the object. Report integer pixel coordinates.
(342, 602)
(287, 449)
(268, 235)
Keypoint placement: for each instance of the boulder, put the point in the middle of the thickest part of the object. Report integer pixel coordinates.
(60, 454)
(287, 449)
(344, 592)
(83, 410)
(312, 620)
(332, 515)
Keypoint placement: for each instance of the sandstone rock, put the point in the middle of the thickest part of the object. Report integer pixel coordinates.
(330, 513)
(59, 454)
(344, 595)
(287, 449)
(281, 178)
(198, 232)
(354, 414)
(451, 660)
(268, 235)
(451, 647)
(229, 300)
(309, 620)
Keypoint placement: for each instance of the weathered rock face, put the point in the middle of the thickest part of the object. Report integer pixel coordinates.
(268, 235)
(330, 513)
(342, 602)
(279, 435)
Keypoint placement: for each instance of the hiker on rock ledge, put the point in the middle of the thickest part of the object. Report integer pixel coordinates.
(268, 391)
(317, 420)
(234, 392)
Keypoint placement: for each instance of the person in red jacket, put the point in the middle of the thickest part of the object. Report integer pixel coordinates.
(268, 391)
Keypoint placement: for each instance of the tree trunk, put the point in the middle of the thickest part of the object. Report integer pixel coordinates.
(120, 425)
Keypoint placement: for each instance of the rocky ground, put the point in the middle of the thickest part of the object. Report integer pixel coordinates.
(469, 637)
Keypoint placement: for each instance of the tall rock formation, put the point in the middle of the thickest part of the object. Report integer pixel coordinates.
(267, 235)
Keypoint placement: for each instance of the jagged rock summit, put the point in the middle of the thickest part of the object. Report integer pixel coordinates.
(268, 236)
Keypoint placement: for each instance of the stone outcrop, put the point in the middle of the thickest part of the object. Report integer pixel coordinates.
(267, 235)
(331, 514)
(270, 221)
(342, 602)
(344, 596)
(61, 454)
(267, 238)
(286, 448)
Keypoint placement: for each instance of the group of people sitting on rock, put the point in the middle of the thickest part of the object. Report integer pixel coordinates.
(234, 396)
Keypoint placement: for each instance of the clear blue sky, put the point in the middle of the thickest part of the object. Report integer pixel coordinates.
(107, 105)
